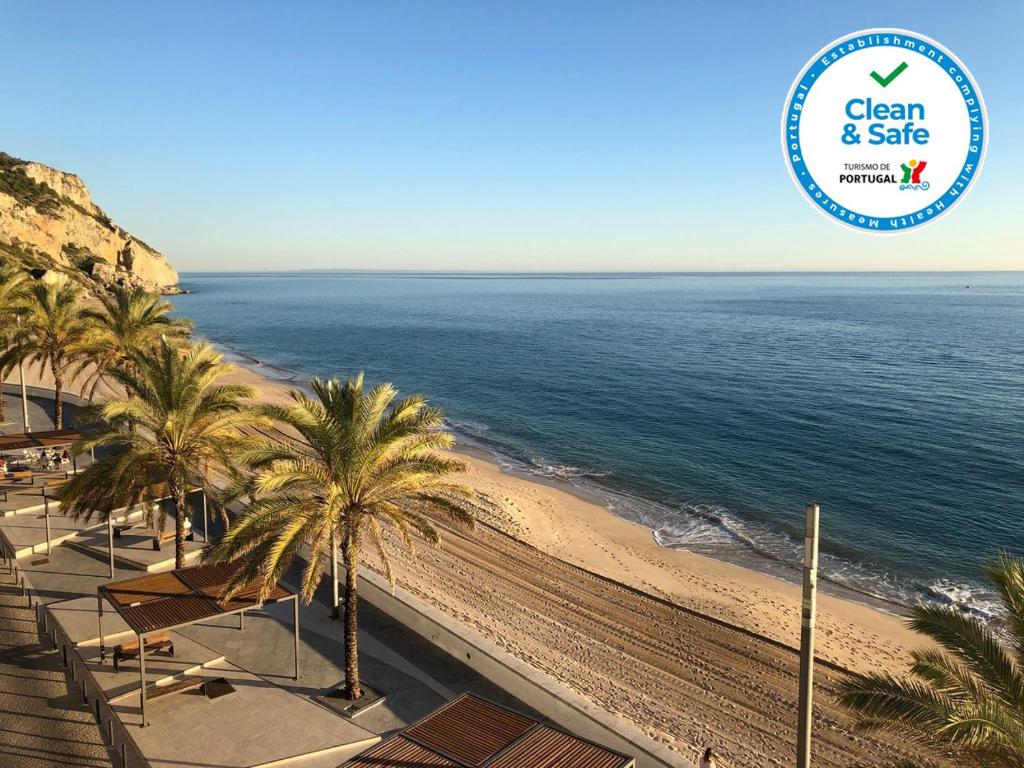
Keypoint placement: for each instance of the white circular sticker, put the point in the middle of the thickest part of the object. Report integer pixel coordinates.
(884, 130)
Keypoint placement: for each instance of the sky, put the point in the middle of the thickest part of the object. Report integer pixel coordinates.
(561, 136)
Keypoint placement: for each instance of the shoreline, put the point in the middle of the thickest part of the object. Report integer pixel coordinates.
(749, 555)
(558, 519)
(782, 571)
(473, 446)
(689, 649)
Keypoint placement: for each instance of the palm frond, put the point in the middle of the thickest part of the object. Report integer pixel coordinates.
(964, 698)
(178, 424)
(967, 638)
(361, 461)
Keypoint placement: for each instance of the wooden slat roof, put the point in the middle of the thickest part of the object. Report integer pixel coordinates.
(470, 729)
(50, 439)
(146, 588)
(472, 733)
(184, 596)
(399, 751)
(546, 747)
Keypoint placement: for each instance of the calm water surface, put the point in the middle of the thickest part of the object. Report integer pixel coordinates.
(710, 408)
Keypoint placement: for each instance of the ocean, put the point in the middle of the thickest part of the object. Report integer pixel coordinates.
(709, 407)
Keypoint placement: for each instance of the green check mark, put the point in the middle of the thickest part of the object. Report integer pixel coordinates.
(884, 81)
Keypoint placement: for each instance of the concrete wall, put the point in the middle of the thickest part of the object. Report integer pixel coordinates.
(533, 687)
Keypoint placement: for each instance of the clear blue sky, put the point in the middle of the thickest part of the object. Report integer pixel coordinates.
(479, 135)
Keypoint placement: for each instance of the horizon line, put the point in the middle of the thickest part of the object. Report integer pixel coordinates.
(499, 272)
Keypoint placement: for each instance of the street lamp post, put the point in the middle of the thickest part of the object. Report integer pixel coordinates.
(24, 395)
(206, 521)
(110, 542)
(807, 621)
(46, 514)
(334, 577)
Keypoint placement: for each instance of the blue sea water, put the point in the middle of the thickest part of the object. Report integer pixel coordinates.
(710, 408)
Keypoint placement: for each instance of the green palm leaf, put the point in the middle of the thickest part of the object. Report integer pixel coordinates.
(13, 287)
(127, 319)
(362, 461)
(178, 423)
(51, 331)
(965, 696)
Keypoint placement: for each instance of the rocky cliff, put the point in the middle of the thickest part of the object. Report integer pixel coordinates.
(49, 221)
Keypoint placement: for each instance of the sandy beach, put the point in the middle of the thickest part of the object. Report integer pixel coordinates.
(693, 650)
(560, 523)
(636, 641)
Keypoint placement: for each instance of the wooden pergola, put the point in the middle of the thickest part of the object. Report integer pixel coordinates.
(471, 732)
(55, 438)
(162, 602)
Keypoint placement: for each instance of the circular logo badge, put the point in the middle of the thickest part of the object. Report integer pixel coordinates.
(884, 130)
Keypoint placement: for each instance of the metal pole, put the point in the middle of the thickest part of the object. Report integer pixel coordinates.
(142, 677)
(296, 609)
(334, 576)
(24, 394)
(110, 541)
(46, 514)
(99, 622)
(206, 521)
(807, 621)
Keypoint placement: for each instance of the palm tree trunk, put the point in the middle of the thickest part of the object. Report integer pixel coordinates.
(58, 397)
(353, 688)
(178, 493)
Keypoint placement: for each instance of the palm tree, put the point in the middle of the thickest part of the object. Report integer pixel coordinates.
(365, 460)
(178, 422)
(965, 696)
(12, 292)
(52, 333)
(128, 319)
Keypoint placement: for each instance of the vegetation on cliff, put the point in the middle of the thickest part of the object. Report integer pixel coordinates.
(48, 221)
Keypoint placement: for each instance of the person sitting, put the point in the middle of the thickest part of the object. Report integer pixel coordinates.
(707, 760)
(65, 458)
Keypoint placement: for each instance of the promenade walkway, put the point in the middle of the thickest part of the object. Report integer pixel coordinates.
(41, 724)
(44, 722)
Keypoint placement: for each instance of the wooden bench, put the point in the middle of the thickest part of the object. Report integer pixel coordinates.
(178, 686)
(161, 536)
(130, 650)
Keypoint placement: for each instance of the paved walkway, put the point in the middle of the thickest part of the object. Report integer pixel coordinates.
(416, 676)
(41, 725)
(40, 408)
